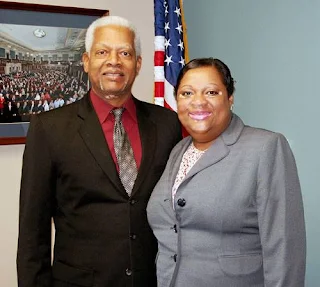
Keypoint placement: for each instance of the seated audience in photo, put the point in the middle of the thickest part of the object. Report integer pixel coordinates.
(41, 85)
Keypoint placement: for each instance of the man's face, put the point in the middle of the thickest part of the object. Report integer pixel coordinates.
(112, 64)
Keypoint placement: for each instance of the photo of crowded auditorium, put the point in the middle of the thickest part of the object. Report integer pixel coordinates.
(40, 70)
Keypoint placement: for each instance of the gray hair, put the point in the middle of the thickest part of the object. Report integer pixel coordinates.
(112, 20)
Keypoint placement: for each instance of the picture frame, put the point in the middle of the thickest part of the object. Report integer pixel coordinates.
(21, 64)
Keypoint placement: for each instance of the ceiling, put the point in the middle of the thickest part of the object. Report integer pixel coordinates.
(57, 39)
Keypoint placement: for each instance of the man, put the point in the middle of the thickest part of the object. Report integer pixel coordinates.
(11, 113)
(2, 103)
(2, 107)
(71, 174)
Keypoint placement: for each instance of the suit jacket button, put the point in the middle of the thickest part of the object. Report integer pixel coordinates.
(132, 202)
(133, 236)
(181, 202)
(174, 227)
(174, 257)
(128, 272)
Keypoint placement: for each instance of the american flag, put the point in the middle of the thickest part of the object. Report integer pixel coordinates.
(170, 50)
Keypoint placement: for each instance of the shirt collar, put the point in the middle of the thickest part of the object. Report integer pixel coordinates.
(103, 108)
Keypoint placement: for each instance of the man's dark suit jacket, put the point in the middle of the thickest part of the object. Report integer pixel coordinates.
(102, 236)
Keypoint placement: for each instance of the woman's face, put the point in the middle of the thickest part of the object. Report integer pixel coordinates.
(203, 105)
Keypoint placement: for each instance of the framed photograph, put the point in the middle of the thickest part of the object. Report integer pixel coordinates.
(41, 49)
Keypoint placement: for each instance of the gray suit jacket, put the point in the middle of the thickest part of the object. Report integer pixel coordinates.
(238, 218)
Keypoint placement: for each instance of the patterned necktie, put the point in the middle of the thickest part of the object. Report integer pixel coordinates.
(124, 153)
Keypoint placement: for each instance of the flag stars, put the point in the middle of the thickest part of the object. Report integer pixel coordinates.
(179, 28)
(166, 27)
(165, 5)
(166, 12)
(168, 60)
(181, 45)
(177, 11)
(167, 43)
(182, 61)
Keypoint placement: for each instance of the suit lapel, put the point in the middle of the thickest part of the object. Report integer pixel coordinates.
(148, 137)
(217, 151)
(175, 161)
(219, 148)
(92, 134)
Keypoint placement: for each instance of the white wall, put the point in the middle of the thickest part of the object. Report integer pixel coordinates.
(10, 166)
(11, 156)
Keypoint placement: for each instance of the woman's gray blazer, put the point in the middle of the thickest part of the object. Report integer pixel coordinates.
(238, 218)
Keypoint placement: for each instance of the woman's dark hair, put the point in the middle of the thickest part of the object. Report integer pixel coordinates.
(221, 67)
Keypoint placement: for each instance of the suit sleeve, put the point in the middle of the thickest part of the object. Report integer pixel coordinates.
(35, 210)
(281, 216)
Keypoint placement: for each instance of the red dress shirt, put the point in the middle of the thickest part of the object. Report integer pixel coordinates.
(129, 121)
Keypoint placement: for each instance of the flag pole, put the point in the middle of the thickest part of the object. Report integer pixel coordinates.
(185, 34)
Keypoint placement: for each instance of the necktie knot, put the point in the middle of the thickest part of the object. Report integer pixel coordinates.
(117, 114)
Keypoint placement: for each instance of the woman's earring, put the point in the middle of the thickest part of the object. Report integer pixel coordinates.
(231, 108)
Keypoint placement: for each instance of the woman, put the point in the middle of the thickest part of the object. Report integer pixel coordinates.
(227, 210)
